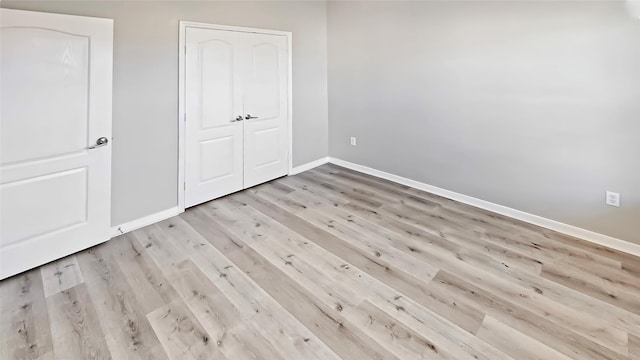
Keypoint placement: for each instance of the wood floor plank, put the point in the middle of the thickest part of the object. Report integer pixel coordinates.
(329, 264)
(395, 193)
(75, 327)
(528, 233)
(127, 330)
(344, 338)
(299, 185)
(448, 337)
(254, 344)
(395, 336)
(285, 202)
(222, 321)
(447, 239)
(505, 256)
(320, 318)
(286, 250)
(153, 290)
(362, 237)
(515, 343)
(577, 318)
(559, 337)
(361, 198)
(475, 268)
(351, 254)
(616, 292)
(180, 334)
(334, 268)
(61, 275)
(634, 347)
(616, 339)
(162, 250)
(488, 218)
(24, 324)
(254, 302)
(380, 196)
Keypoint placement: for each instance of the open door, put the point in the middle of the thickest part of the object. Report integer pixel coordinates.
(55, 118)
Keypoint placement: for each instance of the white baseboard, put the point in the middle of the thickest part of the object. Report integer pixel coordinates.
(309, 165)
(144, 221)
(571, 230)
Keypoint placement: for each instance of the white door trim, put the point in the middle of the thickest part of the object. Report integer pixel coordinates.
(181, 93)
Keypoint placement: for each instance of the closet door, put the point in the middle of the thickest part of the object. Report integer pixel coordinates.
(214, 132)
(236, 111)
(265, 108)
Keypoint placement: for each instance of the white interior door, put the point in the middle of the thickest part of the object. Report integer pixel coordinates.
(213, 165)
(266, 143)
(55, 191)
(236, 106)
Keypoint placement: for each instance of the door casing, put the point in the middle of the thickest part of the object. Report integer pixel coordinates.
(182, 94)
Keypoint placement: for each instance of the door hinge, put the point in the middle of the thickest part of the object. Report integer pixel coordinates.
(184, 185)
(185, 117)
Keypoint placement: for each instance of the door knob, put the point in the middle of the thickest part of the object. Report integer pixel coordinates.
(100, 142)
(239, 118)
(250, 117)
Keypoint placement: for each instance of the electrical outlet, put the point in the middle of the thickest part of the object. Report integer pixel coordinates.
(613, 199)
(353, 141)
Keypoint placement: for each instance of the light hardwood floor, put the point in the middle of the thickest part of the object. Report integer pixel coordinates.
(329, 264)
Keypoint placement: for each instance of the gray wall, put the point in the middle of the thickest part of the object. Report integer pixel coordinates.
(531, 105)
(145, 85)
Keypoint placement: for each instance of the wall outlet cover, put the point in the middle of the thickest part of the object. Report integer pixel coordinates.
(613, 199)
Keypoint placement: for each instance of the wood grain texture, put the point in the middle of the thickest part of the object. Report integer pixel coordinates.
(329, 264)
(61, 275)
(180, 333)
(75, 327)
(24, 318)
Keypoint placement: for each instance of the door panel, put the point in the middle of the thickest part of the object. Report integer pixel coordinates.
(55, 193)
(25, 197)
(213, 150)
(262, 95)
(45, 72)
(216, 83)
(266, 145)
(267, 140)
(217, 157)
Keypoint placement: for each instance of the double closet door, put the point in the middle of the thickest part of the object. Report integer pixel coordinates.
(236, 102)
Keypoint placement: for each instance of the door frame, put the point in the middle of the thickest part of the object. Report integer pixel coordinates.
(182, 43)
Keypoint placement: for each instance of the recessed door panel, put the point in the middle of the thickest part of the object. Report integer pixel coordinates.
(263, 88)
(217, 158)
(45, 90)
(216, 82)
(41, 205)
(268, 140)
(55, 192)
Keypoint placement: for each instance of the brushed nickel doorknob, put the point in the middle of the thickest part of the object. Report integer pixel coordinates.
(100, 142)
